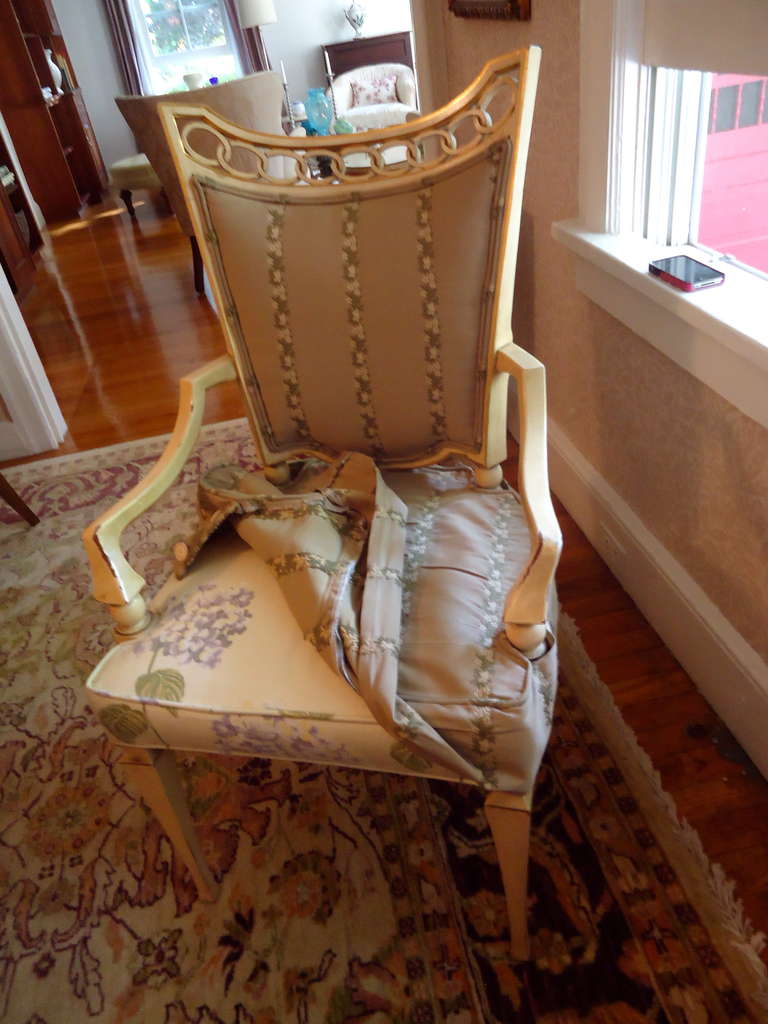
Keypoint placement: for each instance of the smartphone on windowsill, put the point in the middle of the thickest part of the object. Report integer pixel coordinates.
(685, 273)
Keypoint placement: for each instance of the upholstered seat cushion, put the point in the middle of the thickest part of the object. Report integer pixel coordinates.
(377, 115)
(134, 172)
(227, 647)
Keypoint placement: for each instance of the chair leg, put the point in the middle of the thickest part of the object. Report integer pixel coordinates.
(509, 816)
(155, 775)
(17, 504)
(197, 266)
(127, 196)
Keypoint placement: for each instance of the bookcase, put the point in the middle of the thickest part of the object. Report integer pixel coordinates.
(53, 136)
(19, 235)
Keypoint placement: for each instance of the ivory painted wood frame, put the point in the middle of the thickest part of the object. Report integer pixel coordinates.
(513, 10)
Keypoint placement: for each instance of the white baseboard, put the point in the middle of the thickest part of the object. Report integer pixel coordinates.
(728, 671)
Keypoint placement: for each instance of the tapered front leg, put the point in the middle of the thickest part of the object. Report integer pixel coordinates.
(509, 816)
(155, 775)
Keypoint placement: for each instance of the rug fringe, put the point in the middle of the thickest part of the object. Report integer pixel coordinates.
(716, 898)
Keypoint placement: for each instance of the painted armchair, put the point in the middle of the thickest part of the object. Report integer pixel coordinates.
(380, 598)
(375, 96)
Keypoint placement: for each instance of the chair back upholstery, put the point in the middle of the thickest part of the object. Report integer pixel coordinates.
(364, 306)
(254, 101)
(405, 83)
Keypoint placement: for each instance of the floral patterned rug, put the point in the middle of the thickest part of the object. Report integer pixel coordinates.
(347, 897)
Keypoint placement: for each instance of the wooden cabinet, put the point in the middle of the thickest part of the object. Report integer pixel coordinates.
(394, 48)
(53, 137)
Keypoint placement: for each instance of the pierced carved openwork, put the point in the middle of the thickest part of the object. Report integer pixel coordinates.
(434, 141)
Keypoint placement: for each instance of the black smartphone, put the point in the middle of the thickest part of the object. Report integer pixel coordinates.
(684, 273)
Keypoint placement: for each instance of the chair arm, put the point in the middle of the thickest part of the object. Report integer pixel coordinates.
(115, 582)
(342, 92)
(405, 86)
(525, 613)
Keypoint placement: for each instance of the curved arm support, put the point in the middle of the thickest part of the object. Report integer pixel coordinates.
(525, 613)
(115, 582)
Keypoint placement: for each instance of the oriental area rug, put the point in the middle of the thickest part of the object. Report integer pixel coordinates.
(346, 897)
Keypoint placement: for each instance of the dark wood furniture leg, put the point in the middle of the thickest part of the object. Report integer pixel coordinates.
(127, 196)
(197, 266)
(10, 495)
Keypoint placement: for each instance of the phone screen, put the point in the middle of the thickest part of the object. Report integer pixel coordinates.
(687, 271)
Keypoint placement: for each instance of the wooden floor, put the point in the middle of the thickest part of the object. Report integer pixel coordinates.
(117, 322)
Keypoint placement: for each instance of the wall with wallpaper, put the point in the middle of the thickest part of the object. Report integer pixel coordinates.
(691, 466)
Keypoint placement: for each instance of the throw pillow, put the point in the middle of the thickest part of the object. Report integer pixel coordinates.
(375, 90)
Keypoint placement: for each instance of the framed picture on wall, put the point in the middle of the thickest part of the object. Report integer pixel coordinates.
(517, 9)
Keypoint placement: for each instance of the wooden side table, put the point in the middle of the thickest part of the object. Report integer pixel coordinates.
(9, 494)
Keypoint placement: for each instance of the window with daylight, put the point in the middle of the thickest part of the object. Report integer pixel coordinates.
(675, 161)
(179, 37)
(733, 218)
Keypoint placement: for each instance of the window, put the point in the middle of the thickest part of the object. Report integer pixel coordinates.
(708, 164)
(733, 215)
(179, 37)
(647, 170)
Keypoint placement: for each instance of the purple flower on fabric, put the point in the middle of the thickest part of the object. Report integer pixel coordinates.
(281, 737)
(200, 627)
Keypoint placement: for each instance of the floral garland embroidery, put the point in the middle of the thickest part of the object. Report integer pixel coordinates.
(291, 562)
(547, 690)
(416, 540)
(358, 341)
(430, 314)
(494, 592)
(276, 263)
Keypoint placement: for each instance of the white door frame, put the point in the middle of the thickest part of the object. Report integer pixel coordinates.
(36, 423)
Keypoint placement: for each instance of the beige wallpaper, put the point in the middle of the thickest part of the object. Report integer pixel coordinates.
(691, 466)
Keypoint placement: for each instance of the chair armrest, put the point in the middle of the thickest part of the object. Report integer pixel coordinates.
(525, 613)
(115, 582)
(405, 87)
(342, 92)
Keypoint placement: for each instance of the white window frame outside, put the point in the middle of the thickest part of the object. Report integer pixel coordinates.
(150, 59)
(720, 335)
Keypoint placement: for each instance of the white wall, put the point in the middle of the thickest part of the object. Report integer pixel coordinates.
(89, 42)
(303, 26)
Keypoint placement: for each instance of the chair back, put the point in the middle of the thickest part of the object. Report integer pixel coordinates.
(364, 306)
(254, 101)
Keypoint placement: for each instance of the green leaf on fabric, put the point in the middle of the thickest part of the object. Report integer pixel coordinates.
(407, 757)
(162, 684)
(123, 721)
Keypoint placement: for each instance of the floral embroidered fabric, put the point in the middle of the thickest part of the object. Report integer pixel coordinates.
(367, 630)
(374, 90)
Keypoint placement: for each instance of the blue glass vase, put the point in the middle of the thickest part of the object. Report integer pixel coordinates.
(319, 111)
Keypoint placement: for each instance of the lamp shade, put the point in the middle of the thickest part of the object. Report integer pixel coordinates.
(256, 12)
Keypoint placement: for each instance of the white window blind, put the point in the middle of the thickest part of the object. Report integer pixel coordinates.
(709, 35)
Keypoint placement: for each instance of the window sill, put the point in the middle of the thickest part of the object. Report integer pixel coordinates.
(719, 335)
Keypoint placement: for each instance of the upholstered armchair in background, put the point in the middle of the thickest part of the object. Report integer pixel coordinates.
(380, 598)
(254, 101)
(375, 96)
